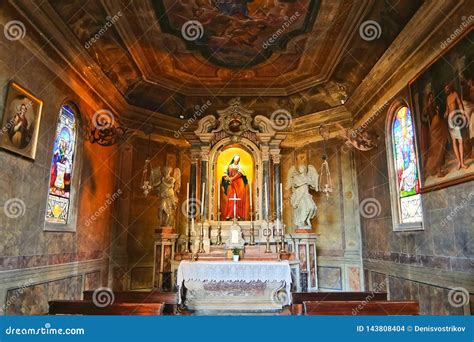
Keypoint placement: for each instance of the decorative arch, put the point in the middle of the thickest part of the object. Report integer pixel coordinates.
(254, 151)
(403, 167)
(65, 165)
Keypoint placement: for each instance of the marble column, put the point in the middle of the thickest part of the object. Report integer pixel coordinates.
(193, 177)
(266, 180)
(205, 150)
(275, 153)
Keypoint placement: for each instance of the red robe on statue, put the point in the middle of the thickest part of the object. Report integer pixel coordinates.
(236, 187)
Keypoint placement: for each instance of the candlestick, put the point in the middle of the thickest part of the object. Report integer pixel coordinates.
(186, 249)
(281, 200)
(219, 197)
(281, 221)
(203, 190)
(266, 201)
(252, 228)
(250, 190)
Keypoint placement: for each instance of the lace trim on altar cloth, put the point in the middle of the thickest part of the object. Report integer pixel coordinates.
(247, 272)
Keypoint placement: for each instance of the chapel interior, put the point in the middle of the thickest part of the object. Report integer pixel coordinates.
(280, 157)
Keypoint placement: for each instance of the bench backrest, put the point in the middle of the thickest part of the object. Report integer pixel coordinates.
(82, 307)
(361, 308)
(139, 297)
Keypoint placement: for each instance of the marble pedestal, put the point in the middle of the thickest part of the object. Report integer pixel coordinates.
(164, 253)
(304, 246)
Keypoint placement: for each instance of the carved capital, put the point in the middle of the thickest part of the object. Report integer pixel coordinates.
(195, 155)
(276, 156)
(265, 153)
(204, 153)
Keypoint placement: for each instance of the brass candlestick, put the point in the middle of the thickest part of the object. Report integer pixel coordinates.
(186, 249)
(201, 238)
(267, 232)
(252, 230)
(219, 230)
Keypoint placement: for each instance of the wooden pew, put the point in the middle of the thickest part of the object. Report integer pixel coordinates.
(299, 297)
(170, 299)
(84, 307)
(357, 308)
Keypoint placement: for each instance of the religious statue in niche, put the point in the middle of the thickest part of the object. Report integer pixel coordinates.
(168, 186)
(301, 180)
(234, 182)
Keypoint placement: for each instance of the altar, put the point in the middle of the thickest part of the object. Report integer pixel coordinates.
(234, 204)
(253, 286)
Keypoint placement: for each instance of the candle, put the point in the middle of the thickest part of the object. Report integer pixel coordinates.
(187, 200)
(203, 190)
(281, 200)
(266, 200)
(250, 189)
(219, 198)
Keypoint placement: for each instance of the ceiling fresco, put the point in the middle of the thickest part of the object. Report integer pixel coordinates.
(236, 33)
(315, 61)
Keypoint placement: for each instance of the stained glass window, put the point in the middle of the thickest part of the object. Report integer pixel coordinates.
(57, 210)
(406, 166)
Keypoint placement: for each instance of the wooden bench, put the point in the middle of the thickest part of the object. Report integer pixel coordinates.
(357, 308)
(85, 307)
(170, 299)
(299, 297)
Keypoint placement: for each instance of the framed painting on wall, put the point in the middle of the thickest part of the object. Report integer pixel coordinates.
(442, 99)
(21, 119)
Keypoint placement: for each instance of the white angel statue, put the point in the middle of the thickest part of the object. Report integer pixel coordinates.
(300, 180)
(168, 187)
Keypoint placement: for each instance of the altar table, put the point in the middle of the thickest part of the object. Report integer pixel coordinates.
(228, 285)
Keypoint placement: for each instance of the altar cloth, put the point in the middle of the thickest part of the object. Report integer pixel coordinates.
(229, 271)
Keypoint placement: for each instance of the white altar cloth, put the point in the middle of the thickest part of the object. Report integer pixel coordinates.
(229, 271)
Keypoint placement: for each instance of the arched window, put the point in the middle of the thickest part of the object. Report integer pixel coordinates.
(62, 166)
(407, 210)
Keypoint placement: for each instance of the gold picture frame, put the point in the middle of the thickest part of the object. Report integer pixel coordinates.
(21, 121)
